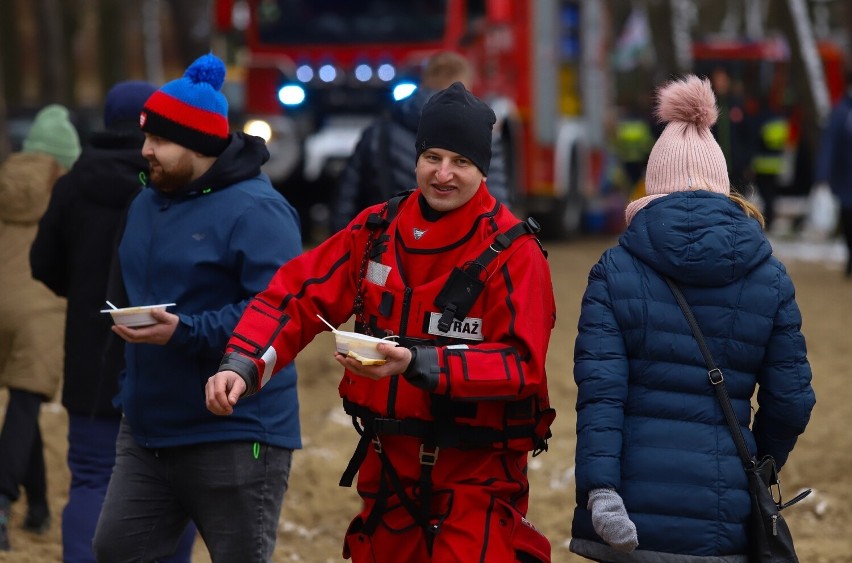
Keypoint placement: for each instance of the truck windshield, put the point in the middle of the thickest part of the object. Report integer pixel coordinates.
(305, 22)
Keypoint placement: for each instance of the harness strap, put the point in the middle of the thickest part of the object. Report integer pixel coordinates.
(381, 221)
(379, 507)
(428, 458)
(464, 285)
(420, 514)
(357, 457)
(444, 436)
(502, 241)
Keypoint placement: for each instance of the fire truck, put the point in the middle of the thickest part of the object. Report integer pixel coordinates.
(768, 81)
(316, 72)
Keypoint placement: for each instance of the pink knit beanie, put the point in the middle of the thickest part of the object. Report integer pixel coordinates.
(686, 156)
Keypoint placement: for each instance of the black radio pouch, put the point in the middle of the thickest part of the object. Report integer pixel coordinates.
(457, 297)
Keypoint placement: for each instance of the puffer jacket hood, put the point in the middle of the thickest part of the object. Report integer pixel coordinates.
(26, 180)
(698, 238)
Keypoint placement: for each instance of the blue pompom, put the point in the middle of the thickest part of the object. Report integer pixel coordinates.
(207, 68)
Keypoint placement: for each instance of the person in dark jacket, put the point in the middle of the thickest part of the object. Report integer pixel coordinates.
(207, 233)
(834, 167)
(71, 255)
(658, 476)
(380, 166)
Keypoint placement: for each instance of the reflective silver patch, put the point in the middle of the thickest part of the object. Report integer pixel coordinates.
(377, 273)
(468, 329)
(269, 357)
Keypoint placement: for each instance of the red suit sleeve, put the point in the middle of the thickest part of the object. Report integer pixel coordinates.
(282, 319)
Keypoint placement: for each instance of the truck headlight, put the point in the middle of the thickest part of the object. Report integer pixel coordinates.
(258, 128)
(291, 95)
(403, 90)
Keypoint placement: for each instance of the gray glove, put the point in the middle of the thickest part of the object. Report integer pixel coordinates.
(610, 520)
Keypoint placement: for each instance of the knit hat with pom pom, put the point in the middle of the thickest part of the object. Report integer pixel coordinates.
(191, 111)
(53, 133)
(686, 156)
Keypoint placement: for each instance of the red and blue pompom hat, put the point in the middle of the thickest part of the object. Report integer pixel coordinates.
(191, 111)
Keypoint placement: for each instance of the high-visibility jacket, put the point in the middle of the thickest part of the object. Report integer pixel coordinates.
(769, 159)
(633, 140)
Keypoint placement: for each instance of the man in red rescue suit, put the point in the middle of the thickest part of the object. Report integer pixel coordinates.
(448, 421)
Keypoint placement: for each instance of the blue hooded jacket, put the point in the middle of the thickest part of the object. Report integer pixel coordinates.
(832, 162)
(209, 248)
(648, 422)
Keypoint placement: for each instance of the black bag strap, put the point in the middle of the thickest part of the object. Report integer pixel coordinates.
(718, 381)
(463, 287)
(715, 375)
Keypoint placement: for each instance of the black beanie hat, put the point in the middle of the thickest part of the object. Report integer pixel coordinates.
(456, 120)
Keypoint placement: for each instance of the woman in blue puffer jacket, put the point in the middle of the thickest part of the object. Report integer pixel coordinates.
(658, 477)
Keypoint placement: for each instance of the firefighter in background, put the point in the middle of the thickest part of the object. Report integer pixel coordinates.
(770, 140)
(634, 139)
(448, 421)
(732, 128)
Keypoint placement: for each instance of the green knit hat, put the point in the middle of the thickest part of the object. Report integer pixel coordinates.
(53, 133)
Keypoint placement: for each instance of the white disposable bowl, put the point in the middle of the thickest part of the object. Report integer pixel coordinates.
(360, 344)
(135, 316)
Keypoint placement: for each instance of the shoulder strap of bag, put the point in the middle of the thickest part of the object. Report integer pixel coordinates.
(718, 381)
(715, 375)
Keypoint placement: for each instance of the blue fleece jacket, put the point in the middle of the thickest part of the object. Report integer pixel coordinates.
(208, 248)
(649, 424)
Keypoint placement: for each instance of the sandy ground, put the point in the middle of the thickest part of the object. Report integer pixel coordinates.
(317, 511)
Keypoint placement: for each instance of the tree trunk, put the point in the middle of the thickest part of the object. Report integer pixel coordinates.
(9, 60)
(807, 67)
(4, 134)
(662, 34)
(111, 42)
(53, 68)
(193, 27)
(151, 37)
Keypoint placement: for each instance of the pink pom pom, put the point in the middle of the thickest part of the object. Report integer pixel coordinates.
(689, 99)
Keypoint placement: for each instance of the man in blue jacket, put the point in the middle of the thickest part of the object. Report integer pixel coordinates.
(833, 166)
(207, 233)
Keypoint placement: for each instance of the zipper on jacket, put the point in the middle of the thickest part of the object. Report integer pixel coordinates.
(403, 325)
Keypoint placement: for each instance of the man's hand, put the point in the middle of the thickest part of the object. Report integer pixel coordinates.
(222, 392)
(159, 333)
(398, 358)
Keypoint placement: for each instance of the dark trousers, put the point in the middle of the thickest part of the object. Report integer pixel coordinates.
(846, 225)
(21, 449)
(767, 187)
(91, 456)
(233, 491)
